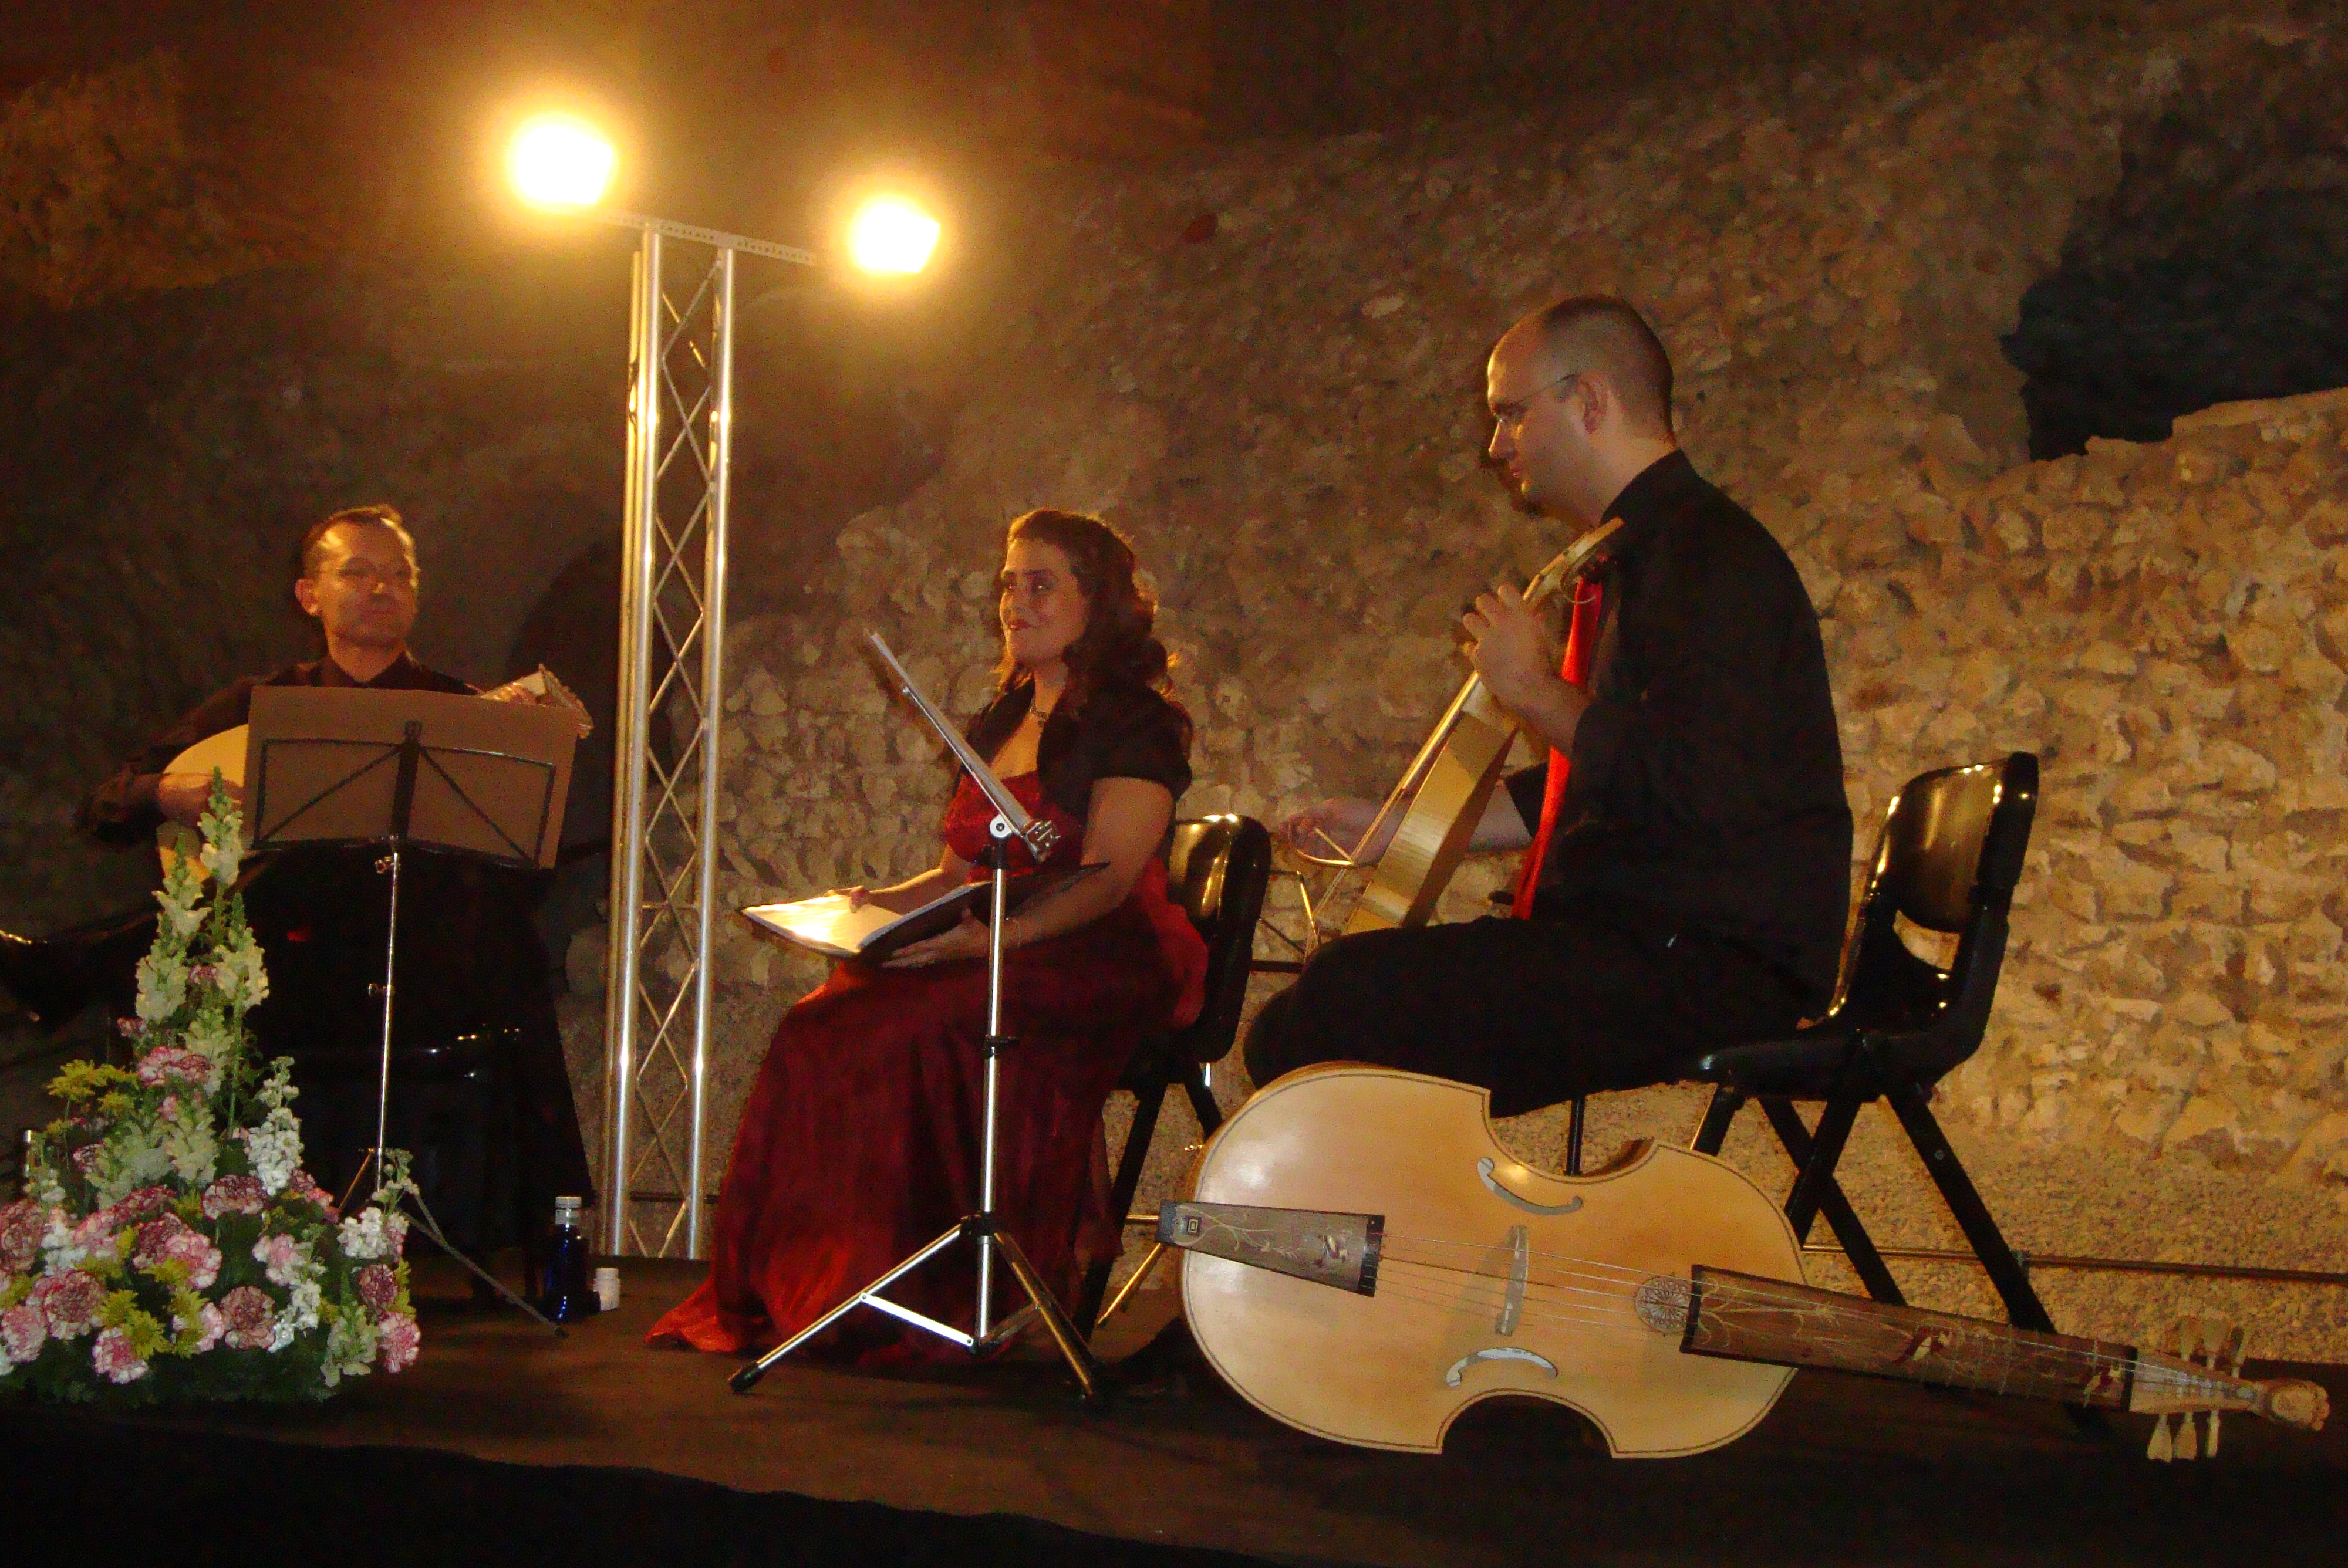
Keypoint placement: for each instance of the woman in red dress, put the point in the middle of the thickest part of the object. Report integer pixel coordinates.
(859, 1143)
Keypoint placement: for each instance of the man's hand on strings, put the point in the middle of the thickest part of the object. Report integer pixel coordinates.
(967, 939)
(1331, 828)
(1512, 646)
(185, 797)
(1516, 651)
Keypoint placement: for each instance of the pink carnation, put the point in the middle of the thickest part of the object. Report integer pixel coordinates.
(22, 1225)
(251, 1316)
(143, 1205)
(85, 1156)
(96, 1233)
(170, 1239)
(68, 1302)
(22, 1332)
(170, 1064)
(210, 1325)
(281, 1257)
(378, 1286)
(115, 1358)
(301, 1184)
(400, 1341)
(234, 1195)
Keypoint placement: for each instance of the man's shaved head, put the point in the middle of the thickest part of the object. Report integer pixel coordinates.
(1603, 333)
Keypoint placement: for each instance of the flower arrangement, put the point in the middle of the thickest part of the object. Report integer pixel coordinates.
(169, 1244)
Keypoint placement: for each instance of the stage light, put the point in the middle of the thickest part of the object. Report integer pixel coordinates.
(889, 234)
(559, 161)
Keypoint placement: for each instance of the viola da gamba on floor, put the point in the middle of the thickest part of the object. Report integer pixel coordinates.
(1485, 1277)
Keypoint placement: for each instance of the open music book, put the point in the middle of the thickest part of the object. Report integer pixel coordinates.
(827, 925)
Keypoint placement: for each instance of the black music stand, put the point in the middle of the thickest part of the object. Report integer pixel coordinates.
(360, 767)
(985, 1228)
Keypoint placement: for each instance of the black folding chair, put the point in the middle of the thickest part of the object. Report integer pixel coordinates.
(1216, 869)
(1947, 862)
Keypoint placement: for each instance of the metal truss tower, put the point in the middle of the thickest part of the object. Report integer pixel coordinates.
(664, 810)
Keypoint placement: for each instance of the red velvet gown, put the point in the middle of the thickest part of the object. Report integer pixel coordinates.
(860, 1142)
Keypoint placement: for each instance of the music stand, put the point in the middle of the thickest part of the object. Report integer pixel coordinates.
(359, 768)
(984, 1229)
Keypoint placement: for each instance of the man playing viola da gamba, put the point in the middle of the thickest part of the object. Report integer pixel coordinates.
(1687, 841)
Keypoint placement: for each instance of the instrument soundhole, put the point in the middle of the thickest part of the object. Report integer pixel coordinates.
(1661, 1304)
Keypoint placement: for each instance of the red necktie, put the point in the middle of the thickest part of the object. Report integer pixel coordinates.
(1580, 636)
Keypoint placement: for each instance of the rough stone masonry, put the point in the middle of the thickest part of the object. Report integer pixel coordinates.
(1286, 418)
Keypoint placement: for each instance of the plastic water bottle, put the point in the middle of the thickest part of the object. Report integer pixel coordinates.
(568, 1296)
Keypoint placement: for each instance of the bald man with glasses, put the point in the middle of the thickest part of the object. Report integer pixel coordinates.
(1688, 840)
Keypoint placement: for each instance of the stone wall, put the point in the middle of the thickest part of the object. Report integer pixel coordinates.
(1286, 418)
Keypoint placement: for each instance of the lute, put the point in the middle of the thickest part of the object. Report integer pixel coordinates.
(1448, 783)
(1366, 1261)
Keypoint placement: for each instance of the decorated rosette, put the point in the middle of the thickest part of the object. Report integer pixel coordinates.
(169, 1244)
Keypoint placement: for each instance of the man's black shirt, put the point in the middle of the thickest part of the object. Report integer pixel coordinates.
(1706, 787)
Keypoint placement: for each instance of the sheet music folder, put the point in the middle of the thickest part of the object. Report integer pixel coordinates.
(826, 925)
(323, 766)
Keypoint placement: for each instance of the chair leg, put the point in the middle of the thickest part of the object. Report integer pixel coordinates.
(1718, 1113)
(2022, 1308)
(1145, 1105)
(1202, 1103)
(1828, 1195)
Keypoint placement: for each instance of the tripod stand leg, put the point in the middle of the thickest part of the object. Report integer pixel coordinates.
(1072, 1344)
(431, 1227)
(743, 1381)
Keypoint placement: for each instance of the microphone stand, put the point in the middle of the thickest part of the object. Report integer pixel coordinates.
(983, 1229)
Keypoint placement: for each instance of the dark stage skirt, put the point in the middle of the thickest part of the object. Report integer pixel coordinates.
(860, 1142)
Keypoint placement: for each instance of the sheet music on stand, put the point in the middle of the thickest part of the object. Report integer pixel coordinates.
(1040, 835)
(400, 770)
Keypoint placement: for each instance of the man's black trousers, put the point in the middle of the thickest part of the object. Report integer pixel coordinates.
(1536, 1010)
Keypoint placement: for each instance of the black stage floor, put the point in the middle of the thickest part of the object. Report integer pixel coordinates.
(504, 1444)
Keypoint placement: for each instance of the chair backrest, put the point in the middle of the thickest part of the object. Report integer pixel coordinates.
(1216, 868)
(1948, 860)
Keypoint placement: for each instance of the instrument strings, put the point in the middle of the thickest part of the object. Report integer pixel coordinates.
(1615, 1287)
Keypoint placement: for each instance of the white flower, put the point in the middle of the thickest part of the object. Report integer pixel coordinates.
(299, 1315)
(193, 1150)
(274, 1148)
(223, 831)
(239, 976)
(181, 894)
(350, 1347)
(278, 1088)
(372, 1234)
(163, 986)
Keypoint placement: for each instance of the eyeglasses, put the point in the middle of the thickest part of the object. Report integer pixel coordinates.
(360, 574)
(1512, 413)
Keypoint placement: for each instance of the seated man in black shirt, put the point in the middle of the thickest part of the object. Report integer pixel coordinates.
(1692, 885)
(474, 1001)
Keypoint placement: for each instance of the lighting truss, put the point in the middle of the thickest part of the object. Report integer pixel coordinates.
(665, 819)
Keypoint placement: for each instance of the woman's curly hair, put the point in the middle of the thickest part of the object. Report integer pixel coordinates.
(1119, 645)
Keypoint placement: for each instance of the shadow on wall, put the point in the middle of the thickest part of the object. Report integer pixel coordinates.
(2217, 273)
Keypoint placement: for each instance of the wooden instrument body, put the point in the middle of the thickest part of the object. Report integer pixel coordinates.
(1454, 776)
(224, 753)
(1393, 1369)
(1432, 837)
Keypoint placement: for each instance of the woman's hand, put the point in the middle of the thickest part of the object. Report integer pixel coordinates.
(966, 940)
(857, 895)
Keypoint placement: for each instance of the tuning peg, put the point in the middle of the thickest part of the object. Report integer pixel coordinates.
(2215, 1332)
(2162, 1449)
(2188, 1439)
(2237, 1346)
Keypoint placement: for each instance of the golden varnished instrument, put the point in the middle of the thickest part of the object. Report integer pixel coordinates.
(1447, 785)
